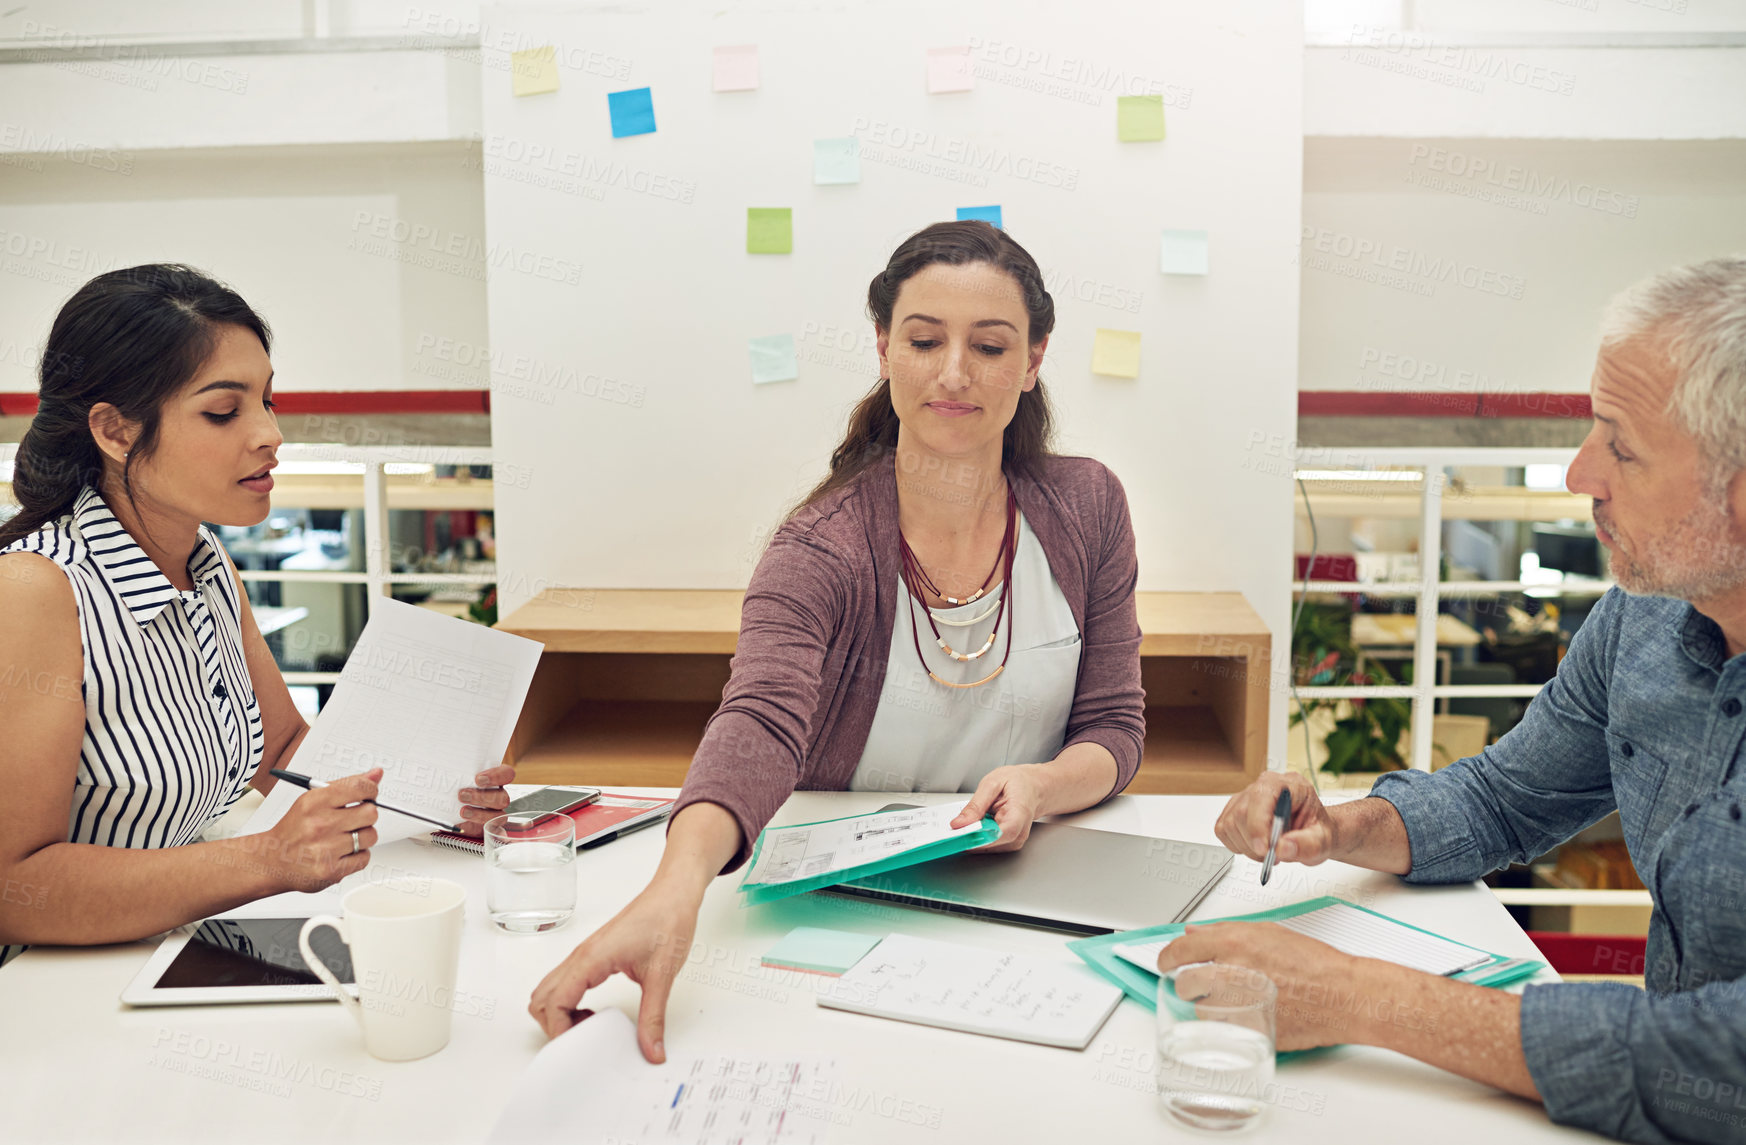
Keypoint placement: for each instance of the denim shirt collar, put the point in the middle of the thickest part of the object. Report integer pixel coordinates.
(1701, 639)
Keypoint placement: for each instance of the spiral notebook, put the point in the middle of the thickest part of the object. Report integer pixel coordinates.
(599, 822)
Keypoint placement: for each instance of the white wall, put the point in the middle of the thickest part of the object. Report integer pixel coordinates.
(1394, 228)
(362, 259)
(149, 101)
(1452, 18)
(1425, 84)
(680, 489)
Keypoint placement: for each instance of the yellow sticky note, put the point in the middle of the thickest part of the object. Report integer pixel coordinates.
(534, 71)
(1116, 353)
(1139, 118)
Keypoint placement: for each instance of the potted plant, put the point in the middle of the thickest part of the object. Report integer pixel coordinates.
(1366, 734)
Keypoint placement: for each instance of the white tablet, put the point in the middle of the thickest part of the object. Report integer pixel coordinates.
(227, 960)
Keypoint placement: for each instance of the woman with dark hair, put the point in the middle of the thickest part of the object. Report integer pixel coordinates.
(140, 701)
(952, 609)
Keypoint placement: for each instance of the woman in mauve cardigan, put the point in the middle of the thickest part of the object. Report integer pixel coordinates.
(958, 418)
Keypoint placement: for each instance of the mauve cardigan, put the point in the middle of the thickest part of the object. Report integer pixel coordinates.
(815, 638)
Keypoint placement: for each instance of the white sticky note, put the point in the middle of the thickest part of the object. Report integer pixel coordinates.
(836, 160)
(1183, 252)
(773, 358)
(736, 68)
(948, 69)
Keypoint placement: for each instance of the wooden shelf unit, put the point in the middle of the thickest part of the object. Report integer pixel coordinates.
(629, 678)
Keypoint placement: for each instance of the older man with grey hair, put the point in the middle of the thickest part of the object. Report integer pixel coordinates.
(1644, 717)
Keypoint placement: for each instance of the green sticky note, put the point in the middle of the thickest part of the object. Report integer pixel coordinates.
(820, 951)
(769, 230)
(1116, 353)
(1139, 118)
(534, 72)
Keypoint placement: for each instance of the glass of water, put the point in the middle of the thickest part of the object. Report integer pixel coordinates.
(531, 876)
(1216, 1035)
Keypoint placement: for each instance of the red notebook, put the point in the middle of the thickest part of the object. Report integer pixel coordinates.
(598, 822)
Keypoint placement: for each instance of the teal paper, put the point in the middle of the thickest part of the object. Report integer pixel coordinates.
(819, 950)
(773, 358)
(1142, 987)
(988, 214)
(986, 832)
(1183, 252)
(836, 160)
(632, 112)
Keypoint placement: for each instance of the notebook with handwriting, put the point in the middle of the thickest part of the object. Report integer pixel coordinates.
(975, 991)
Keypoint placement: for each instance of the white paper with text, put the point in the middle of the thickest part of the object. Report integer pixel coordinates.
(428, 698)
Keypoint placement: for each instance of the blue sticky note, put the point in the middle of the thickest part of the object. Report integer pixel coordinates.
(1183, 252)
(836, 160)
(633, 112)
(773, 358)
(989, 214)
(820, 951)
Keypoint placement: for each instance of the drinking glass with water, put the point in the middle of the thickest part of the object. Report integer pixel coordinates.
(1216, 1032)
(531, 876)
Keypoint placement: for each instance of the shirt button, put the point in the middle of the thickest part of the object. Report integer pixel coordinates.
(232, 773)
(1628, 750)
(219, 691)
(1731, 706)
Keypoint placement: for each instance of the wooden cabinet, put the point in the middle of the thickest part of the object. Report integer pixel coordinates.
(629, 677)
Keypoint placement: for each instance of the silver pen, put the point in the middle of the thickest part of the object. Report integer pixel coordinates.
(1281, 816)
(317, 784)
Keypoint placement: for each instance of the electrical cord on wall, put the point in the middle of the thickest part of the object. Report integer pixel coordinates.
(1297, 615)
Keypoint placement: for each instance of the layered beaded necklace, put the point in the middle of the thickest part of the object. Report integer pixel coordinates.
(917, 581)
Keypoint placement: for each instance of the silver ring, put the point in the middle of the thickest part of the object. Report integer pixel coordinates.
(354, 842)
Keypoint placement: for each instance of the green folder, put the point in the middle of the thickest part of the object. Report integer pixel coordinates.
(1142, 986)
(986, 832)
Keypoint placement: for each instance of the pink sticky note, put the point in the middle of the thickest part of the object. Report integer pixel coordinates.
(736, 68)
(948, 69)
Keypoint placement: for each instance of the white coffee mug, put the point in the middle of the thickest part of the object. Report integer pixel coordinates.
(405, 938)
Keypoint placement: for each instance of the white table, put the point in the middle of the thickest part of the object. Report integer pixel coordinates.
(78, 1066)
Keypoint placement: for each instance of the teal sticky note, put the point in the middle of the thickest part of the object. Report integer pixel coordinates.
(1183, 252)
(836, 160)
(988, 214)
(769, 230)
(633, 112)
(773, 358)
(820, 951)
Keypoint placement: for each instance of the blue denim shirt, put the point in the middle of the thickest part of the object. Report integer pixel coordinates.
(1644, 716)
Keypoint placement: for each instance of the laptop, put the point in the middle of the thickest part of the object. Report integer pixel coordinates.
(1063, 878)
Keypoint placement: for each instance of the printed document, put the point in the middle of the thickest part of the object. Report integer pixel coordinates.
(428, 698)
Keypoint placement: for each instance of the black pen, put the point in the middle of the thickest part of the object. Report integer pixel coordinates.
(314, 784)
(620, 832)
(1281, 816)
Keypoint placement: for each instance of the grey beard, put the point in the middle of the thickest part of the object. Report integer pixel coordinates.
(1698, 559)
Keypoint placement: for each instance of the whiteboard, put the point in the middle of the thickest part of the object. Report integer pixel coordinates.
(652, 461)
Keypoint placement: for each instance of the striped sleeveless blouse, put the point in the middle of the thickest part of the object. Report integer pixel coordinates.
(172, 729)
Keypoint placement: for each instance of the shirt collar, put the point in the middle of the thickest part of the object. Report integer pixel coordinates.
(1701, 639)
(132, 576)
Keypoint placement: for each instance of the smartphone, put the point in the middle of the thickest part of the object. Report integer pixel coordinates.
(552, 800)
